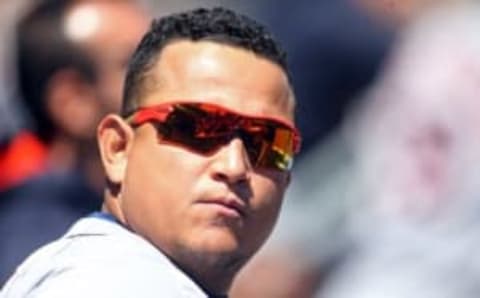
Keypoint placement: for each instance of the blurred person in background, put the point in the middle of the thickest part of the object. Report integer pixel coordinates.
(71, 60)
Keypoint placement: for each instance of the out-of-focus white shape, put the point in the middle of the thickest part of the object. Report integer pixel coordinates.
(82, 22)
(417, 147)
(417, 136)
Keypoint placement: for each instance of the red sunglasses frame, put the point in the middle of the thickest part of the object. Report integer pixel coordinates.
(161, 112)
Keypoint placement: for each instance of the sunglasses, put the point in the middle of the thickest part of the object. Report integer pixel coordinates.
(204, 128)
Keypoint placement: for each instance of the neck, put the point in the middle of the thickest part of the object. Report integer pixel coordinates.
(213, 273)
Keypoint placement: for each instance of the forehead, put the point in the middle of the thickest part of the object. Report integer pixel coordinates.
(222, 74)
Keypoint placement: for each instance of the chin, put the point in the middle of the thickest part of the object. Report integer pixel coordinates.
(214, 249)
(218, 240)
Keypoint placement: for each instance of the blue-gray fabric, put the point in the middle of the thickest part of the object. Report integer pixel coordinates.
(98, 257)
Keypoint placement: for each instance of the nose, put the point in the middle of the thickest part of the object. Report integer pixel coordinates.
(231, 163)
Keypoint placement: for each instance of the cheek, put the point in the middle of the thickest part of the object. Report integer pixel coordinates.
(268, 189)
(159, 176)
(144, 179)
(265, 205)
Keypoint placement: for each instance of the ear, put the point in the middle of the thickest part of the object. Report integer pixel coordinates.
(115, 139)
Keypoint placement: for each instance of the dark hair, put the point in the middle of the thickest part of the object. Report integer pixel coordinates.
(42, 49)
(217, 24)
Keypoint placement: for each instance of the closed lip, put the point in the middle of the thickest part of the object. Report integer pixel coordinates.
(231, 203)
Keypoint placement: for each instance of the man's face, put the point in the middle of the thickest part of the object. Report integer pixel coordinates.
(175, 197)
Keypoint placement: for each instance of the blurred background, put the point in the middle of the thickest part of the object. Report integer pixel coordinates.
(384, 200)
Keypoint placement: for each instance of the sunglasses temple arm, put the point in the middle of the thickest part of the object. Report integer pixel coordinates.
(144, 115)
